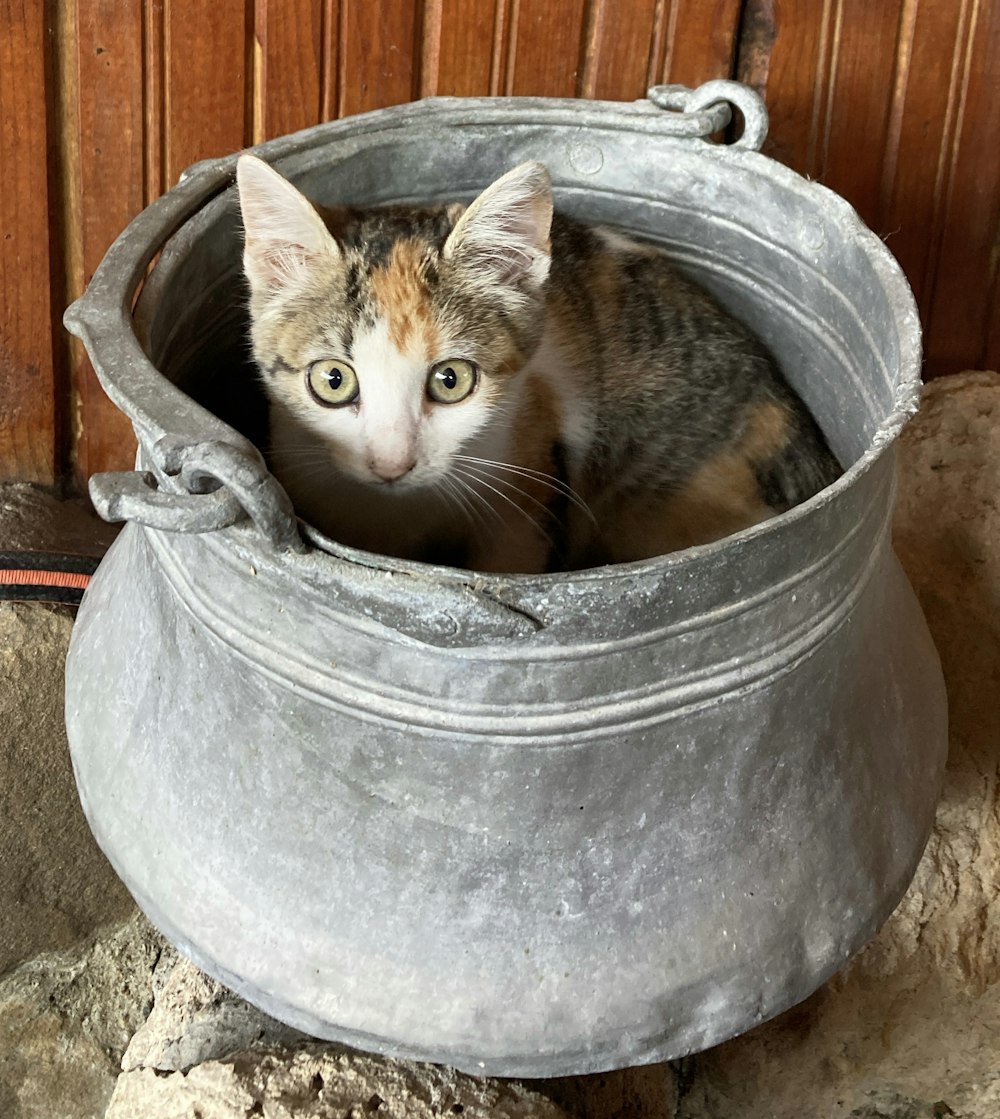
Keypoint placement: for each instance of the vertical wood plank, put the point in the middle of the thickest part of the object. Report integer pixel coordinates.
(288, 56)
(380, 45)
(205, 104)
(698, 41)
(546, 37)
(964, 304)
(154, 97)
(109, 179)
(922, 137)
(891, 105)
(27, 385)
(459, 47)
(785, 54)
(331, 60)
(826, 71)
(618, 50)
(854, 134)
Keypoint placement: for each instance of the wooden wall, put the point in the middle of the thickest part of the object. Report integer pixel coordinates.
(894, 103)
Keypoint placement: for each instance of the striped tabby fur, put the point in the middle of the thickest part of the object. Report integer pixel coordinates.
(616, 412)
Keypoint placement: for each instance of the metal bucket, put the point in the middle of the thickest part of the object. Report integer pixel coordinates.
(524, 825)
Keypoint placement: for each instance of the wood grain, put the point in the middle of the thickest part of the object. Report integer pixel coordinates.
(380, 62)
(618, 47)
(921, 142)
(545, 48)
(109, 177)
(154, 97)
(288, 66)
(893, 104)
(205, 102)
(698, 41)
(826, 72)
(27, 384)
(461, 47)
(785, 55)
(964, 311)
(853, 133)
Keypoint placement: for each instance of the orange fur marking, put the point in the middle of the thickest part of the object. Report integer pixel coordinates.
(723, 495)
(720, 498)
(766, 432)
(401, 293)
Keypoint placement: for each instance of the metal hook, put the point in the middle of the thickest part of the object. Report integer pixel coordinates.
(715, 97)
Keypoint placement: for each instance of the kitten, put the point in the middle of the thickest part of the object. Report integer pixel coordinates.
(505, 388)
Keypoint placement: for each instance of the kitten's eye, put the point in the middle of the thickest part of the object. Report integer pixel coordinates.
(333, 383)
(451, 381)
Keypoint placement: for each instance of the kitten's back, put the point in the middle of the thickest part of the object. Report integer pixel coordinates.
(684, 390)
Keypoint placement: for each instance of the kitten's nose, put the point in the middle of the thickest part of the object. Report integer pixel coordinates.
(392, 471)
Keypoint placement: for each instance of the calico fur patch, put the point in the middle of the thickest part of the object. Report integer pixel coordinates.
(529, 392)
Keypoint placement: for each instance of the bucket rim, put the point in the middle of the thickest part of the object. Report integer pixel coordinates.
(103, 316)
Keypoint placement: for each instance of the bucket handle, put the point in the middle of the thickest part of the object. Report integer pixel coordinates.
(221, 485)
(718, 95)
(213, 476)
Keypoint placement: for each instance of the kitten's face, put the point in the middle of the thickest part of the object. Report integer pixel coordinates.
(391, 339)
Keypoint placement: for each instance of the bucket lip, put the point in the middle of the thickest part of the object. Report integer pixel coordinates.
(205, 182)
(906, 400)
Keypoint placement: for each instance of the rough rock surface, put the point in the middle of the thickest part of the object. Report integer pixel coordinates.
(66, 1019)
(55, 885)
(204, 1050)
(911, 1029)
(204, 1046)
(316, 1081)
(194, 1019)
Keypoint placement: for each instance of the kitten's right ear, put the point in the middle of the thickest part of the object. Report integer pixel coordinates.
(284, 233)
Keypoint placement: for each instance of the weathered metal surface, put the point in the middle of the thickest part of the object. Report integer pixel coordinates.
(525, 825)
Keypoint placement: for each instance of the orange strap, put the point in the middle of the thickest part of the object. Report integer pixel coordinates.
(28, 578)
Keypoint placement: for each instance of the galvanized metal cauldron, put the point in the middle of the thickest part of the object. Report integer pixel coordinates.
(521, 825)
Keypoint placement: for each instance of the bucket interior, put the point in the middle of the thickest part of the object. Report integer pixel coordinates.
(785, 256)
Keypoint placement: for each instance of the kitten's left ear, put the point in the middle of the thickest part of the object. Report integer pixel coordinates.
(284, 233)
(505, 232)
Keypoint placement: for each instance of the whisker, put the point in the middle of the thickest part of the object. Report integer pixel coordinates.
(524, 512)
(483, 474)
(300, 474)
(539, 476)
(456, 500)
(303, 463)
(478, 503)
(302, 452)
